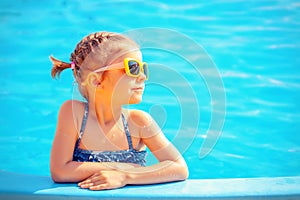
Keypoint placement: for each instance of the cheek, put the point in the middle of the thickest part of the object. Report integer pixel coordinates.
(122, 89)
(123, 85)
(124, 94)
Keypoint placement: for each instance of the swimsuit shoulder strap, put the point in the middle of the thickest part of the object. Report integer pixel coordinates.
(127, 132)
(83, 124)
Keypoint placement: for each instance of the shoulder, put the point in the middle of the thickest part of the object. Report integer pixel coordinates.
(71, 109)
(144, 122)
(70, 116)
(140, 118)
(71, 105)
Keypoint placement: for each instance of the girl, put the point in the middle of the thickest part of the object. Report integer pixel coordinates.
(98, 143)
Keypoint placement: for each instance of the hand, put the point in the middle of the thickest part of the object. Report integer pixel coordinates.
(104, 180)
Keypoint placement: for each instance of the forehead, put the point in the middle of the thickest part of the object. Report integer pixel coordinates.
(134, 54)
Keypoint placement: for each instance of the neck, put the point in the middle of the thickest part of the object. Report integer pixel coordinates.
(106, 113)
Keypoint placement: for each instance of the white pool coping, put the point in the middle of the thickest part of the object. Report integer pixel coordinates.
(22, 186)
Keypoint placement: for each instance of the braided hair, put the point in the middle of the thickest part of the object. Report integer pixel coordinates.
(94, 51)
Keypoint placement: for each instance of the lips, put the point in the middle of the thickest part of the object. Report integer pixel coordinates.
(138, 89)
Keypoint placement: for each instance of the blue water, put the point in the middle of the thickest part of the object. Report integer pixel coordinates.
(255, 46)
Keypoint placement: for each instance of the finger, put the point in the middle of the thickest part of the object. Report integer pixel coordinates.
(86, 186)
(92, 182)
(96, 178)
(99, 187)
(85, 182)
(91, 179)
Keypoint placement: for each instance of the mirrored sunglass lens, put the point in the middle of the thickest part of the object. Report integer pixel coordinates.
(134, 67)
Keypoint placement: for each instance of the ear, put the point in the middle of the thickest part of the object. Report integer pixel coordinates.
(93, 80)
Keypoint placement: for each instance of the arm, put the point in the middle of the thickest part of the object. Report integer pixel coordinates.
(62, 168)
(171, 166)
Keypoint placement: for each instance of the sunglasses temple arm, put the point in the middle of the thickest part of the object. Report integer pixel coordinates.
(109, 67)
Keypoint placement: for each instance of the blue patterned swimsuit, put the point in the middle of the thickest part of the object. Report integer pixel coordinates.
(126, 156)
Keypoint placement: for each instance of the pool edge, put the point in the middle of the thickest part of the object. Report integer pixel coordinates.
(23, 186)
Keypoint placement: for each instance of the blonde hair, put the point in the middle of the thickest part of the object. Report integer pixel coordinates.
(94, 51)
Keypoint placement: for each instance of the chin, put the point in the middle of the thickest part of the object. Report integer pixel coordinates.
(135, 100)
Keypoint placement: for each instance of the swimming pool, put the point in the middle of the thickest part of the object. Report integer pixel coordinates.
(253, 45)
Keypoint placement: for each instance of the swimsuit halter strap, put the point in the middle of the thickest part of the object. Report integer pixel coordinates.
(84, 120)
(127, 132)
(83, 123)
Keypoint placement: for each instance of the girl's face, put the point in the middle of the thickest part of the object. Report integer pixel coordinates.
(119, 87)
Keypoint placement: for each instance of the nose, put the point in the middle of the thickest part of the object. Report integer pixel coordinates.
(141, 77)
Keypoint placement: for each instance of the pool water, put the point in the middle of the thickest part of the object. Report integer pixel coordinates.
(254, 46)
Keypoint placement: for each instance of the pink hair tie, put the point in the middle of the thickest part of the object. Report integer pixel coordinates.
(72, 65)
